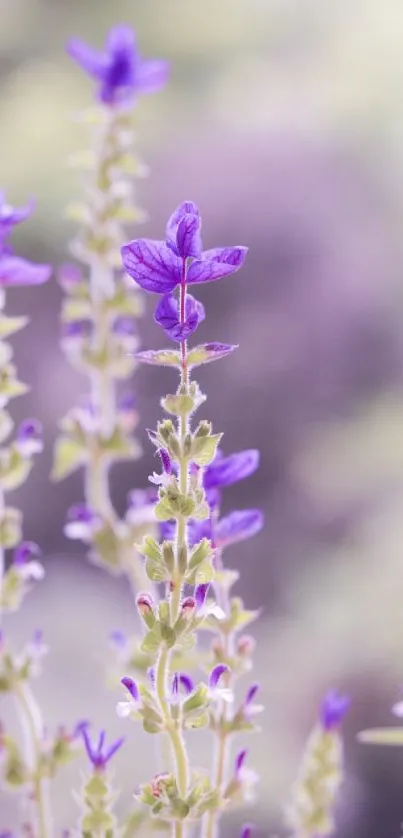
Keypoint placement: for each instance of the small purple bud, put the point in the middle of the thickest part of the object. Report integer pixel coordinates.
(127, 403)
(334, 708)
(29, 437)
(216, 674)
(247, 830)
(250, 695)
(68, 276)
(25, 551)
(201, 592)
(145, 604)
(124, 326)
(81, 522)
(131, 687)
(188, 607)
(118, 639)
(75, 330)
(239, 762)
(165, 460)
(246, 645)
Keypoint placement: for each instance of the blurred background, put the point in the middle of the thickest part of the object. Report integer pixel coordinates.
(283, 120)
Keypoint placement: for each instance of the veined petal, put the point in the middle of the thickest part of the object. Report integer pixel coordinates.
(151, 75)
(152, 265)
(186, 208)
(167, 315)
(93, 62)
(216, 264)
(17, 271)
(224, 471)
(188, 239)
(237, 526)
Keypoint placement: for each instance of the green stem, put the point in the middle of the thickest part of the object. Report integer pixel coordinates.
(172, 727)
(33, 729)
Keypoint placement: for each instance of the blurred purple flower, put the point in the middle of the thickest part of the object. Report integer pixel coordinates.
(119, 70)
(11, 216)
(159, 266)
(17, 271)
(98, 755)
(29, 437)
(167, 315)
(334, 708)
(224, 471)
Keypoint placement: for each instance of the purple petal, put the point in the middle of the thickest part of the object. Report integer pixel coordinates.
(87, 742)
(25, 551)
(186, 682)
(127, 402)
(250, 695)
(167, 315)
(216, 674)
(151, 76)
(188, 240)
(247, 830)
(124, 326)
(224, 471)
(198, 530)
(201, 592)
(112, 749)
(237, 526)
(121, 38)
(166, 461)
(81, 512)
(333, 709)
(175, 684)
(216, 264)
(186, 208)
(17, 271)
(152, 265)
(239, 761)
(93, 62)
(10, 216)
(131, 687)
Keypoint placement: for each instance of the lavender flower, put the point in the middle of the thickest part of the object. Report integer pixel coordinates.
(158, 266)
(98, 754)
(119, 70)
(167, 315)
(29, 437)
(13, 269)
(99, 333)
(333, 710)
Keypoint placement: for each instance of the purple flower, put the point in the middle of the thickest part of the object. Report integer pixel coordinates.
(247, 830)
(29, 437)
(237, 526)
(181, 680)
(165, 460)
(215, 675)
(334, 708)
(98, 755)
(167, 315)
(76, 329)
(69, 276)
(159, 266)
(224, 471)
(131, 687)
(119, 70)
(201, 592)
(17, 271)
(11, 216)
(240, 762)
(81, 523)
(24, 552)
(118, 639)
(127, 403)
(124, 326)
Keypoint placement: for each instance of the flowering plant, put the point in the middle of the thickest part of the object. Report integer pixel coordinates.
(172, 540)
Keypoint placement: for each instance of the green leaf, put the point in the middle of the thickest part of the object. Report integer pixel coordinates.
(107, 548)
(208, 352)
(68, 456)
(151, 642)
(382, 736)
(198, 721)
(178, 405)
(156, 572)
(161, 357)
(6, 425)
(14, 469)
(199, 553)
(10, 325)
(10, 528)
(204, 449)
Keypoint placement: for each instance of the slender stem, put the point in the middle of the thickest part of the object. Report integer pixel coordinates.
(172, 727)
(221, 748)
(2, 557)
(32, 726)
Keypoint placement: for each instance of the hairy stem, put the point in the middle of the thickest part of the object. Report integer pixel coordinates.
(32, 727)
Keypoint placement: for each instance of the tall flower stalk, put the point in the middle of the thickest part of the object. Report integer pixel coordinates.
(311, 813)
(100, 308)
(26, 766)
(188, 560)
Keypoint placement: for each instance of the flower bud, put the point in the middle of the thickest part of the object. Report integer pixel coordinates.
(188, 608)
